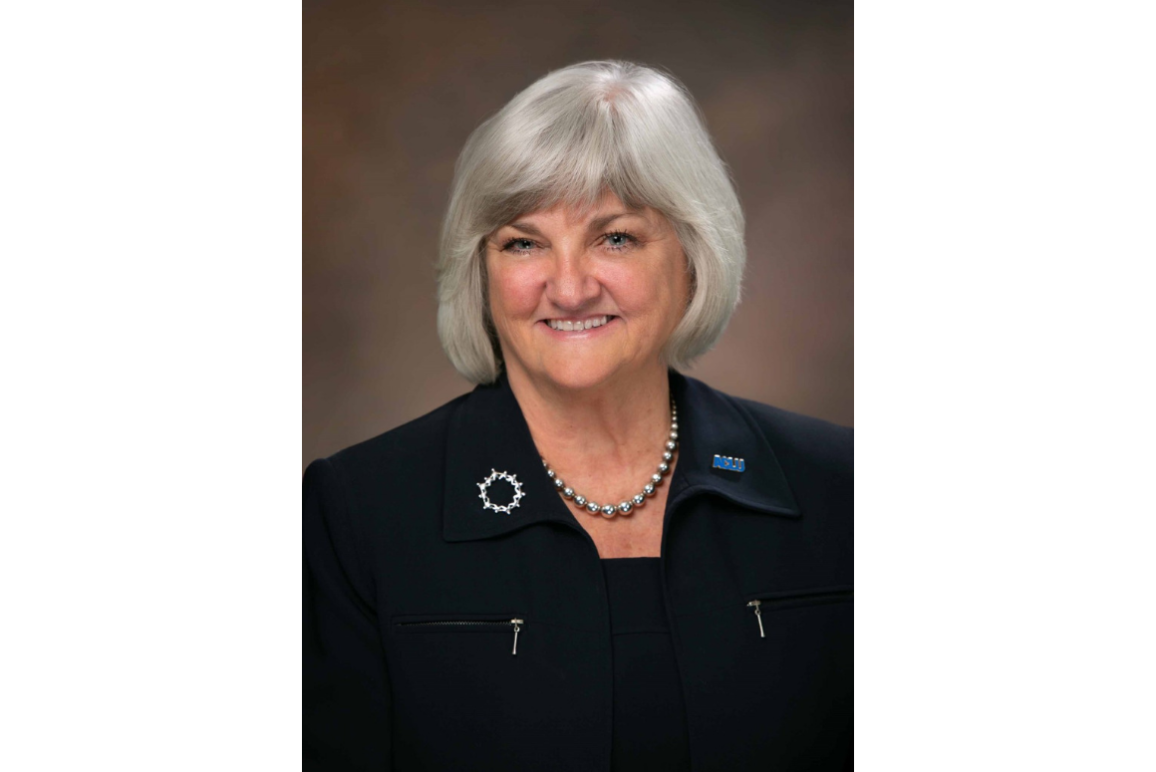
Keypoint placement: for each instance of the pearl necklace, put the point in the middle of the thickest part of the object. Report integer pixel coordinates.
(626, 507)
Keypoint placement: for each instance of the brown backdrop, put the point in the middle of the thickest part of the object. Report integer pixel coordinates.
(392, 90)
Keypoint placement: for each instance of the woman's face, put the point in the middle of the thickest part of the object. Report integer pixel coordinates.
(579, 298)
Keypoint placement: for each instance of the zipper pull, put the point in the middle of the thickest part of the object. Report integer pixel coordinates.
(758, 615)
(517, 629)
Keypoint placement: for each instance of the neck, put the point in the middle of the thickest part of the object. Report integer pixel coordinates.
(612, 433)
(608, 414)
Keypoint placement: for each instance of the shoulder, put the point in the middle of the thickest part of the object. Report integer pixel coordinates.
(408, 443)
(405, 459)
(798, 440)
(802, 435)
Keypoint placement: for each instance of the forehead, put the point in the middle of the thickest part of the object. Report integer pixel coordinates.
(567, 214)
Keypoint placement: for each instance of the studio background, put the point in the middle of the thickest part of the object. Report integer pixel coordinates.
(391, 92)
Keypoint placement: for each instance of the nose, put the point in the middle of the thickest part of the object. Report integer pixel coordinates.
(572, 284)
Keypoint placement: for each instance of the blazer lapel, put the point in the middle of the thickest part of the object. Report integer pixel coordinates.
(713, 424)
(489, 434)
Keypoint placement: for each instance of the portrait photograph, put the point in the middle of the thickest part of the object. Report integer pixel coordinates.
(578, 359)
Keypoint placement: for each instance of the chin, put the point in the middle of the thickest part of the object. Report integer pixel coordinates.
(577, 373)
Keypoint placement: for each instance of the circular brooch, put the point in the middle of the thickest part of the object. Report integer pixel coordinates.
(512, 480)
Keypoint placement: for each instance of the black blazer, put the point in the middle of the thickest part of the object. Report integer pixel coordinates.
(396, 537)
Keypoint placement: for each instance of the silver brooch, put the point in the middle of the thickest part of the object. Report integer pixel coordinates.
(512, 480)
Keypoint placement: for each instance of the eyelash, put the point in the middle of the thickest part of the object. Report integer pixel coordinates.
(632, 240)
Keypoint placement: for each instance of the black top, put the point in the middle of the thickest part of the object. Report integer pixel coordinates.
(416, 595)
(649, 714)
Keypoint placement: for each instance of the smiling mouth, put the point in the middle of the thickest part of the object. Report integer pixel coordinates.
(578, 325)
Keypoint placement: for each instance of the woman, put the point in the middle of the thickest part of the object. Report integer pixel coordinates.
(590, 561)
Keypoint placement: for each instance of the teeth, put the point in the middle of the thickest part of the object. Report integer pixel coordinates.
(571, 326)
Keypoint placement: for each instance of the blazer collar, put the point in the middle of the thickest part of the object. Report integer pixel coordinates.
(488, 433)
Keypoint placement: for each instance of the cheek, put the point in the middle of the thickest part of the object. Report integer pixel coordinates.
(660, 290)
(514, 290)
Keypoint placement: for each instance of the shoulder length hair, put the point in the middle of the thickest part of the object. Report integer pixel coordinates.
(569, 137)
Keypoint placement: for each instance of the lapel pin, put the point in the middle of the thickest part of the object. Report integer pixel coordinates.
(495, 476)
(732, 464)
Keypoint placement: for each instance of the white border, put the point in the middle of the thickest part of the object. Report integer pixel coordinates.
(151, 306)
(1004, 388)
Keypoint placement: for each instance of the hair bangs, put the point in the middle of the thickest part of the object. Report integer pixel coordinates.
(573, 162)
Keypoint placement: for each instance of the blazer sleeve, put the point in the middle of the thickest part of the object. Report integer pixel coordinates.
(346, 694)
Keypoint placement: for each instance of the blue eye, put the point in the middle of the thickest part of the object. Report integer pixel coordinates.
(518, 245)
(619, 240)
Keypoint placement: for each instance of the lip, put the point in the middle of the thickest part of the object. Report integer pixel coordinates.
(562, 335)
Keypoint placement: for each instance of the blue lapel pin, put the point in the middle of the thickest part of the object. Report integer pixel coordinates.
(732, 464)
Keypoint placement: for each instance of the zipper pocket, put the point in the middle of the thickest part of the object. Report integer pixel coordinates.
(515, 623)
(794, 598)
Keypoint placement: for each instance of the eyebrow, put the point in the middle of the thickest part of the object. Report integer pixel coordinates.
(596, 224)
(601, 222)
(525, 227)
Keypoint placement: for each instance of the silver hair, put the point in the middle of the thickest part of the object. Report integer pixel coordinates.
(568, 138)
